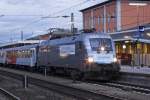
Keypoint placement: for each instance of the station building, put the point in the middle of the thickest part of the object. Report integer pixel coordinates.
(128, 22)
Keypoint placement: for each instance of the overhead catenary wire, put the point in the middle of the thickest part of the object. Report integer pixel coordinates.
(15, 15)
(41, 17)
(44, 17)
(76, 5)
(52, 15)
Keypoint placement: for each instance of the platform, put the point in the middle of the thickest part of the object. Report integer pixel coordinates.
(136, 69)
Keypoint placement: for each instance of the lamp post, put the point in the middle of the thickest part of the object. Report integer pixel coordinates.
(140, 28)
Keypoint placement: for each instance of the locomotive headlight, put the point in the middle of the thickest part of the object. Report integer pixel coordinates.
(102, 48)
(90, 59)
(115, 59)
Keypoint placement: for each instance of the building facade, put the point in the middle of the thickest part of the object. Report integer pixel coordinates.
(115, 15)
(121, 19)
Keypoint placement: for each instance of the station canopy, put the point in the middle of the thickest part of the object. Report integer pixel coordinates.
(132, 35)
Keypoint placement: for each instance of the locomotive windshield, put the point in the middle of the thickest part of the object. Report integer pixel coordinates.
(103, 44)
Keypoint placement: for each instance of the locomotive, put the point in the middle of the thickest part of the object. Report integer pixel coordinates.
(86, 55)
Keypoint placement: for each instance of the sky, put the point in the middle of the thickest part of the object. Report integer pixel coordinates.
(27, 16)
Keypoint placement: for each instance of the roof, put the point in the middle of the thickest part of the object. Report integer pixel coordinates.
(19, 43)
(132, 35)
(55, 33)
(25, 47)
(97, 5)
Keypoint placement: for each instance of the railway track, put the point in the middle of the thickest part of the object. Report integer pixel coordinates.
(128, 87)
(8, 95)
(78, 93)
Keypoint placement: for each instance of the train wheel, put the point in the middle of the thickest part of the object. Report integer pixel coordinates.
(83, 78)
(52, 71)
(76, 75)
(32, 69)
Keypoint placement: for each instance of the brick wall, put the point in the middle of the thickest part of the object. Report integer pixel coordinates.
(98, 14)
(94, 18)
(111, 17)
(87, 19)
(131, 16)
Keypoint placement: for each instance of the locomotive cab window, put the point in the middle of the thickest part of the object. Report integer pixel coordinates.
(101, 44)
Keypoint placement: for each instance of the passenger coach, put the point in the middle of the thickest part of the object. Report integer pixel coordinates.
(24, 55)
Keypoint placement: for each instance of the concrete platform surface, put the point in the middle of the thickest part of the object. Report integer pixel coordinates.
(136, 69)
(99, 89)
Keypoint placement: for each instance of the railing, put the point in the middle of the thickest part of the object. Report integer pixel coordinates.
(139, 59)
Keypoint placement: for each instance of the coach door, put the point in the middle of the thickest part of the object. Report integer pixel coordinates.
(33, 56)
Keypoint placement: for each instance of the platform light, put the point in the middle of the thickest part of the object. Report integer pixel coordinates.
(127, 37)
(127, 41)
(124, 46)
(137, 4)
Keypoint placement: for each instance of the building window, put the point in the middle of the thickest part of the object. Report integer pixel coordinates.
(99, 20)
(108, 19)
(94, 22)
(108, 30)
(108, 22)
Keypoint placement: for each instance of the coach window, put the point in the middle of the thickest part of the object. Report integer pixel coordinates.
(16, 53)
(11, 53)
(25, 54)
(29, 53)
(22, 54)
(19, 54)
(48, 49)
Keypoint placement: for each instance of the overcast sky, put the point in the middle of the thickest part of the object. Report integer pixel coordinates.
(25, 15)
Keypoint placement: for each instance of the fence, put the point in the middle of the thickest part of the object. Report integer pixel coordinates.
(139, 59)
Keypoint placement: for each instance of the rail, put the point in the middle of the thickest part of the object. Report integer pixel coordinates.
(12, 96)
(77, 93)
